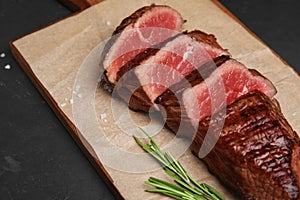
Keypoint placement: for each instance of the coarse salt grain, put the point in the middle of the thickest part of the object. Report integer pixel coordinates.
(79, 95)
(71, 101)
(77, 87)
(2, 55)
(63, 105)
(103, 116)
(7, 67)
(108, 23)
(294, 114)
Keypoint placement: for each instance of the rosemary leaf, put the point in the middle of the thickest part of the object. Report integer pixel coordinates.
(156, 180)
(165, 192)
(186, 187)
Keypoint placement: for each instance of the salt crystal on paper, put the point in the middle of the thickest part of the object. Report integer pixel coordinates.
(2, 55)
(79, 95)
(66, 99)
(77, 87)
(7, 67)
(108, 23)
(71, 101)
(103, 117)
(294, 114)
(63, 105)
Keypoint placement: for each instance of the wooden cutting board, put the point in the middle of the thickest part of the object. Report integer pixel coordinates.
(62, 62)
(79, 5)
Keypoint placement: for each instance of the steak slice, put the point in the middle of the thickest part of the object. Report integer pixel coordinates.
(230, 81)
(176, 59)
(170, 99)
(144, 28)
(185, 108)
(257, 153)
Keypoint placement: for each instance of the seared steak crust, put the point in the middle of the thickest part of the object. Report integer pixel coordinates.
(105, 84)
(209, 39)
(134, 17)
(128, 88)
(257, 153)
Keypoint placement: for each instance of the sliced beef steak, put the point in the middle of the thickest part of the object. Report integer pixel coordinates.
(171, 98)
(175, 60)
(186, 107)
(146, 27)
(230, 81)
(257, 153)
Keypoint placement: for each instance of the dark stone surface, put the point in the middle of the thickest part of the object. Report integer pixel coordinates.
(38, 158)
(275, 22)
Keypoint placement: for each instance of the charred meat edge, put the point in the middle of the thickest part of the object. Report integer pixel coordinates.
(257, 154)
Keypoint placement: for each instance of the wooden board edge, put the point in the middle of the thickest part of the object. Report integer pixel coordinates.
(66, 122)
(231, 15)
(78, 5)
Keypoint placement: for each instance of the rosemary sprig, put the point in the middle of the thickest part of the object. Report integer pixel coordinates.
(186, 187)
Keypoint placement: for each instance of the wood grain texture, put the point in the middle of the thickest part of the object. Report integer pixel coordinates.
(79, 5)
(47, 63)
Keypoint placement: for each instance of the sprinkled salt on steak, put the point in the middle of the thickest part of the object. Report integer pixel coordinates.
(175, 60)
(146, 27)
(258, 153)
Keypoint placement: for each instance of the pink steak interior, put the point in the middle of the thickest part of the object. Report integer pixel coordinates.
(172, 63)
(153, 27)
(230, 81)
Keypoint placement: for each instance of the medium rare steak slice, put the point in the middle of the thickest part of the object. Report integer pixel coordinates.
(170, 99)
(257, 153)
(230, 81)
(175, 60)
(184, 109)
(146, 27)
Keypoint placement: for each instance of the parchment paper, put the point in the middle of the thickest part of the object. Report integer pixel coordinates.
(65, 57)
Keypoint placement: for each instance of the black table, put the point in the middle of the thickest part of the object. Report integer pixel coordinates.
(38, 158)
